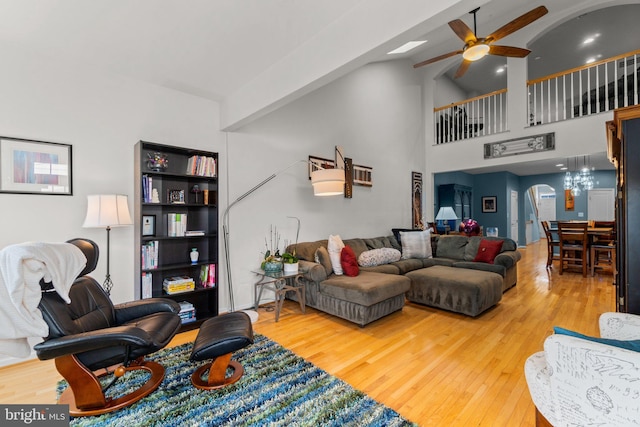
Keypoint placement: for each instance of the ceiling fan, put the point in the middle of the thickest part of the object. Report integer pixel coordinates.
(477, 47)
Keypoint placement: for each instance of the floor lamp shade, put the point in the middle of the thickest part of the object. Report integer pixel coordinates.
(107, 210)
(327, 182)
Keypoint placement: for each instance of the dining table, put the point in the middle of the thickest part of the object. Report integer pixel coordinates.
(592, 232)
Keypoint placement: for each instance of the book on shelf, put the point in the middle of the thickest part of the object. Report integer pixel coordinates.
(187, 312)
(176, 224)
(208, 276)
(194, 233)
(185, 306)
(147, 189)
(174, 280)
(147, 285)
(201, 166)
(188, 317)
(178, 284)
(150, 255)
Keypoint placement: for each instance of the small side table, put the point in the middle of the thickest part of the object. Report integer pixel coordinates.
(280, 283)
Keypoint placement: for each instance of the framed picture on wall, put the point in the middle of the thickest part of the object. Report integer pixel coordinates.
(34, 167)
(489, 204)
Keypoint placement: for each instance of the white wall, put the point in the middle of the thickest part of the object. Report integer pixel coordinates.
(375, 114)
(102, 117)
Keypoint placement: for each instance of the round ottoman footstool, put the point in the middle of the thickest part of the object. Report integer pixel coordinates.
(217, 339)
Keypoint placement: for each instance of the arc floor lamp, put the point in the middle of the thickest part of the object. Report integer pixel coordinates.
(325, 182)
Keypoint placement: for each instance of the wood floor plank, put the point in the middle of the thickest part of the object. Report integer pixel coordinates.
(434, 367)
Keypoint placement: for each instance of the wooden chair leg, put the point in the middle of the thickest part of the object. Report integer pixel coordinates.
(541, 421)
(216, 377)
(85, 395)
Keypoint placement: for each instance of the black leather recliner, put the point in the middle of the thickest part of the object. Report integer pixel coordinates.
(90, 338)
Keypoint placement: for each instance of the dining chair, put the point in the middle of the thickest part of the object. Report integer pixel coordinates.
(552, 244)
(603, 248)
(574, 246)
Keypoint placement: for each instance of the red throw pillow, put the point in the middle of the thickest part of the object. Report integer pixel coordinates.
(349, 261)
(488, 250)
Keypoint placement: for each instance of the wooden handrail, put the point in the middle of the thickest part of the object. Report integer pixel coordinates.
(582, 67)
(466, 101)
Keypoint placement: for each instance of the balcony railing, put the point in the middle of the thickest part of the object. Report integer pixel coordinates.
(601, 86)
(479, 116)
(591, 89)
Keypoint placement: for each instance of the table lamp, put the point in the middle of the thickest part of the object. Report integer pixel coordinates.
(446, 213)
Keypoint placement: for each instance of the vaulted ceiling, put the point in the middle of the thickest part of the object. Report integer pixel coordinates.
(253, 56)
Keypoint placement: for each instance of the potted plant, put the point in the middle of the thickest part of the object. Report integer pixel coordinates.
(272, 259)
(289, 259)
(290, 262)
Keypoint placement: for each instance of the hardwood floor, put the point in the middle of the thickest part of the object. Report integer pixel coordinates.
(434, 367)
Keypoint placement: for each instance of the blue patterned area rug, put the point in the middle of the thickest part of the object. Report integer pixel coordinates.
(278, 389)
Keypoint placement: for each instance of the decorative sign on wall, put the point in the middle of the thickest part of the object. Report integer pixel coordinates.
(416, 190)
(512, 147)
(348, 178)
(362, 175)
(569, 202)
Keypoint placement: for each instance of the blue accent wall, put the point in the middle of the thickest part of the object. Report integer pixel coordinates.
(500, 185)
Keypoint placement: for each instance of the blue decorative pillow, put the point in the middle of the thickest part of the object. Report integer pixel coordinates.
(633, 345)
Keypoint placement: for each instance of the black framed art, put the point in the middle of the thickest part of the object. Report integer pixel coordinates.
(489, 204)
(35, 167)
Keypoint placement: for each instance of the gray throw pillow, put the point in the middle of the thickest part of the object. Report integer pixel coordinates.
(416, 244)
(322, 257)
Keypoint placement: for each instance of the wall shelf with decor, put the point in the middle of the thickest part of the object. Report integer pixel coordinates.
(176, 217)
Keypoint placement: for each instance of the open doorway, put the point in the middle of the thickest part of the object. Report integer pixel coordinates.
(540, 206)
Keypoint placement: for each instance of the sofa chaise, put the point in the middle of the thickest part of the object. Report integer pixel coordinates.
(450, 279)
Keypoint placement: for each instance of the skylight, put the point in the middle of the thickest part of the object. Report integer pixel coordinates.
(407, 47)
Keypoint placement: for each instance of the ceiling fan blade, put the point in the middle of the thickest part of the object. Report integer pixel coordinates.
(463, 31)
(437, 58)
(462, 69)
(516, 24)
(516, 52)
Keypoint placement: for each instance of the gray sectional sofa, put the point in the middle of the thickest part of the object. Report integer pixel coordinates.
(457, 283)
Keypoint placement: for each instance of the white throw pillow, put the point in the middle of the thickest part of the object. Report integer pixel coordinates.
(416, 244)
(374, 257)
(334, 247)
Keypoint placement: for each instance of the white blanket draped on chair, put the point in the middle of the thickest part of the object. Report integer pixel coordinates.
(22, 266)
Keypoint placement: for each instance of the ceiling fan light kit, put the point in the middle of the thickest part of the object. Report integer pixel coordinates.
(476, 48)
(475, 52)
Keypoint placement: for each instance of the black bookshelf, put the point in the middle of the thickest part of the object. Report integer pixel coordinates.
(176, 194)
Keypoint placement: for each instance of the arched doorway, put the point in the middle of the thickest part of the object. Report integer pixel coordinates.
(540, 206)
